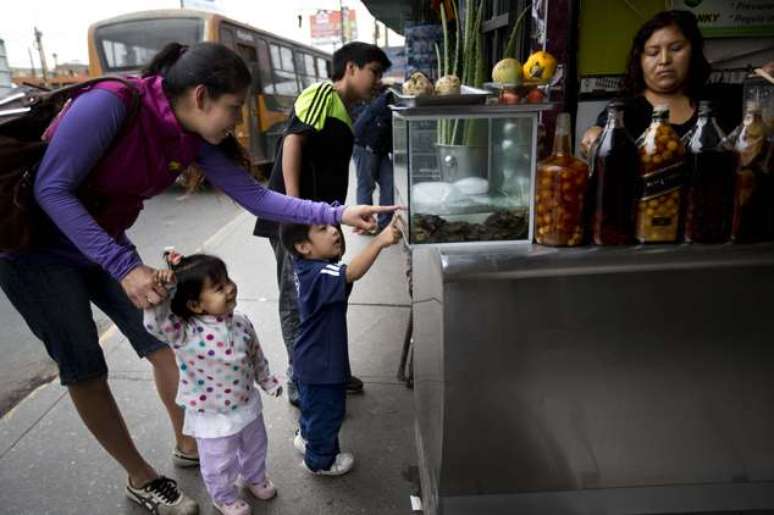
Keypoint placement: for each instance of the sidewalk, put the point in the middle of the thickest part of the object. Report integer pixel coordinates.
(50, 464)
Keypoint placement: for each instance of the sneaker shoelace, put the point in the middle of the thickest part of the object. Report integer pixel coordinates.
(165, 488)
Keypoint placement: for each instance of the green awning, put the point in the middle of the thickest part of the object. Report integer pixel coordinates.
(393, 13)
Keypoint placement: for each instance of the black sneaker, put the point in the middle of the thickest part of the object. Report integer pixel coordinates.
(162, 497)
(354, 385)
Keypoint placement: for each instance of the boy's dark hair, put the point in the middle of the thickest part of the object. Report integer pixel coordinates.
(191, 274)
(685, 21)
(359, 53)
(291, 234)
(215, 66)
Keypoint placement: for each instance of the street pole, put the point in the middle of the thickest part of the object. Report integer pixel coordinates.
(39, 46)
(341, 23)
(32, 62)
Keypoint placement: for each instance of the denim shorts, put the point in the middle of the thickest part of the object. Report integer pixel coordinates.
(55, 301)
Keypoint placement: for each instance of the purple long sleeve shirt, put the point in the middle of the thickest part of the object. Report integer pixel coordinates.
(82, 137)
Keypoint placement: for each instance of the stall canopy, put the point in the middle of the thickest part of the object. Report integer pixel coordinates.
(392, 13)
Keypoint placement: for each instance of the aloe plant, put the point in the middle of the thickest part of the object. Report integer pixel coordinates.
(510, 47)
(464, 60)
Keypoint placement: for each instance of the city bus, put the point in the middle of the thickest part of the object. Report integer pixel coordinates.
(281, 68)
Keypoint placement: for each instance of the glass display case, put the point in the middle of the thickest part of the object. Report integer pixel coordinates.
(465, 173)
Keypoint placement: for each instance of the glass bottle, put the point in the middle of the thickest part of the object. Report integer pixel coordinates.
(559, 192)
(662, 158)
(711, 164)
(754, 190)
(615, 165)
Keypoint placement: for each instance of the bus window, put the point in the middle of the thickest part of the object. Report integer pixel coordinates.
(322, 68)
(309, 62)
(130, 45)
(287, 59)
(264, 67)
(276, 62)
(309, 77)
(305, 68)
(284, 71)
(227, 37)
(247, 53)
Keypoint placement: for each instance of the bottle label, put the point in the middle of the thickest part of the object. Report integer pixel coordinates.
(659, 205)
(663, 181)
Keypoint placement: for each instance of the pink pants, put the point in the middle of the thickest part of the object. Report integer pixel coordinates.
(222, 460)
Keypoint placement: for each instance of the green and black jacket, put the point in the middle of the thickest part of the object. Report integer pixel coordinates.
(319, 113)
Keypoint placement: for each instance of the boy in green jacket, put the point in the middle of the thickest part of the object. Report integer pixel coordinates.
(312, 162)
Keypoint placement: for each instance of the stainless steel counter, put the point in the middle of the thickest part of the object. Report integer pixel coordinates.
(594, 381)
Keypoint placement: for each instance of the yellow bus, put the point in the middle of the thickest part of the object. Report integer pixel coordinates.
(281, 68)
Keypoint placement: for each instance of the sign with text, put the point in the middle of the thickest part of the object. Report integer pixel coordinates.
(202, 5)
(326, 26)
(734, 18)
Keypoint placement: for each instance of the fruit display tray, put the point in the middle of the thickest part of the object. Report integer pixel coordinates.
(468, 96)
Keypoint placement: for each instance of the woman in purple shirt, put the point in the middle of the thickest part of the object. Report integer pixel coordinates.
(91, 184)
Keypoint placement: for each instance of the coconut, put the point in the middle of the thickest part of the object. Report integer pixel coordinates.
(447, 85)
(417, 85)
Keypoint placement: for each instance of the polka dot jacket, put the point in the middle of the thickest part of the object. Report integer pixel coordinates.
(220, 359)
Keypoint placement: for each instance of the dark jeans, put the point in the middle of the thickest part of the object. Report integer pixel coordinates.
(55, 301)
(288, 302)
(373, 169)
(323, 407)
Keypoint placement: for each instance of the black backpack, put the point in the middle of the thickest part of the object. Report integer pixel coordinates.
(24, 117)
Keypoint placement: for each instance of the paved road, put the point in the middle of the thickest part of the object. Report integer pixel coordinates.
(185, 221)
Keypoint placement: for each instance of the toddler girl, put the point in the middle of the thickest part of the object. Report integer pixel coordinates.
(220, 358)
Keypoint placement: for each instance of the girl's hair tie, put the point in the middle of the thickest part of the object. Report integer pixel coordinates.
(172, 257)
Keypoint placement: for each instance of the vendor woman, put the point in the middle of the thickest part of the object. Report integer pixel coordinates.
(667, 66)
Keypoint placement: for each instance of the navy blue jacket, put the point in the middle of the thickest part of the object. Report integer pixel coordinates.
(373, 124)
(320, 355)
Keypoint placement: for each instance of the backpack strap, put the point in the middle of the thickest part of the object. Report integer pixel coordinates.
(129, 93)
(65, 96)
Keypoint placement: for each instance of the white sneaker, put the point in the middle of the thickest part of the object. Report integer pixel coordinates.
(263, 491)
(238, 507)
(299, 443)
(343, 464)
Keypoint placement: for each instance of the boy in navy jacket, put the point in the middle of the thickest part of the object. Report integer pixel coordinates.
(320, 354)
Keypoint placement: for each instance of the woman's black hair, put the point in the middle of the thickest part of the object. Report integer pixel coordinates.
(191, 273)
(359, 53)
(215, 66)
(685, 21)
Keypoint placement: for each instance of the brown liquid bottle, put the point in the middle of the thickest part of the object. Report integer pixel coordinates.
(560, 187)
(615, 164)
(662, 159)
(754, 191)
(711, 167)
